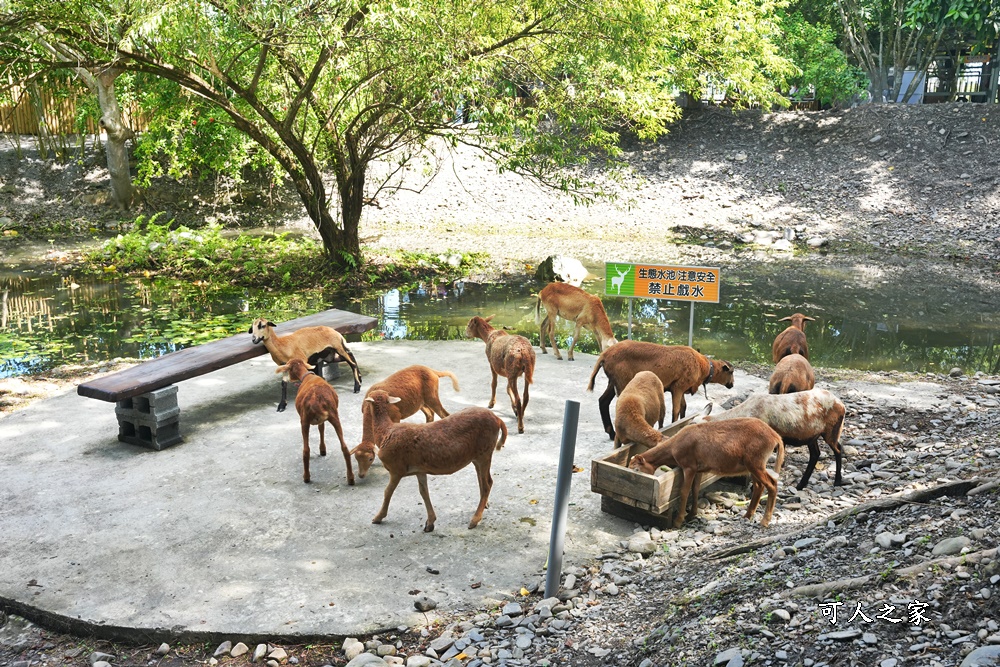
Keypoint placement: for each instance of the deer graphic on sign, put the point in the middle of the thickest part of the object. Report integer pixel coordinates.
(616, 283)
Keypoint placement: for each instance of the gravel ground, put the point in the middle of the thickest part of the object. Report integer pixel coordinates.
(904, 553)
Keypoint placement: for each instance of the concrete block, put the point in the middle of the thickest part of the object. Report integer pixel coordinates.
(150, 420)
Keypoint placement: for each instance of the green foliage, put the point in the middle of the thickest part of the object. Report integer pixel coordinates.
(187, 137)
(823, 67)
(209, 256)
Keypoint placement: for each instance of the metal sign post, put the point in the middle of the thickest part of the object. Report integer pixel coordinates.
(564, 478)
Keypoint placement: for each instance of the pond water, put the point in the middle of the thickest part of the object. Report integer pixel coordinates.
(868, 317)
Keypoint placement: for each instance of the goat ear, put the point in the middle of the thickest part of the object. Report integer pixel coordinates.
(487, 319)
(271, 324)
(251, 329)
(281, 369)
(369, 399)
(726, 366)
(786, 319)
(394, 399)
(809, 319)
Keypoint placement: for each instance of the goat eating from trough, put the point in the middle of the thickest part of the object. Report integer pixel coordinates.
(799, 418)
(681, 369)
(726, 448)
(316, 402)
(436, 448)
(509, 356)
(416, 387)
(574, 304)
(317, 346)
(640, 405)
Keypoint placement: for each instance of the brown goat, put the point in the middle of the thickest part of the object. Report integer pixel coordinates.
(680, 368)
(435, 448)
(509, 356)
(316, 402)
(726, 448)
(799, 418)
(315, 345)
(417, 388)
(572, 303)
(793, 339)
(640, 405)
(793, 373)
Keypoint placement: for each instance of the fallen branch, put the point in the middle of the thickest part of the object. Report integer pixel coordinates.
(823, 591)
(959, 488)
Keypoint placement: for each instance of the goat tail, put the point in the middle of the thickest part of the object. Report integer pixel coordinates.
(529, 372)
(449, 374)
(597, 366)
(780, 460)
(503, 434)
(538, 310)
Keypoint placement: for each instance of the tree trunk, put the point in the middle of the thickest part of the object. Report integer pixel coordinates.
(352, 201)
(118, 133)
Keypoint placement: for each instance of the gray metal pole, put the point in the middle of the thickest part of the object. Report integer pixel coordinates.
(691, 327)
(630, 319)
(563, 480)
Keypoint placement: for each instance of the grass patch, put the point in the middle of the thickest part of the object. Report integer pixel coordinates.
(208, 255)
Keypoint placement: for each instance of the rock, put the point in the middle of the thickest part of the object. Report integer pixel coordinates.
(889, 662)
(163, 649)
(817, 241)
(955, 372)
(442, 644)
(780, 616)
(984, 656)
(951, 546)
(561, 269)
(641, 543)
(512, 609)
(239, 649)
(223, 649)
(278, 654)
(418, 661)
(842, 635)
(887, 540)
(368, 660)
(728, 656)
(740, 157)
(260, 651)
(97, 657)
(424, 603)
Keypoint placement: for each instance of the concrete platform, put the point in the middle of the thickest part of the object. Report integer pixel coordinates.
(219, 537)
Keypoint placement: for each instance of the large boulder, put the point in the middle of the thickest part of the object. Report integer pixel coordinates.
(557, 268)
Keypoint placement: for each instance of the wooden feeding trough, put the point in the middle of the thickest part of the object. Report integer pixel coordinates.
(636, 496)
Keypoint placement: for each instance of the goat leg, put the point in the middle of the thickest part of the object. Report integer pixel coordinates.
(322, 440)
(604, 405)
(813, 444)
(838, 456)
(687, 480)
(426, 495)
(390, 488)
(335, 420)
(353, 363)
(772, 498)
(695, 492)
(758, 488)
(284, 396)
(572, 343)
(305, 451)
(493, 389)
(542, 331)
(485, 485)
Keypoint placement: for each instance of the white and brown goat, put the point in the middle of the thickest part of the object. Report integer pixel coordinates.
(510, 356)
(727, 448)
(800, 418)
(416, 387)
(317, 403)
(317, 346)
(574, 304)
(436, 448)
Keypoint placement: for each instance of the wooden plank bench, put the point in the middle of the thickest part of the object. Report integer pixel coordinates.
(146, 396)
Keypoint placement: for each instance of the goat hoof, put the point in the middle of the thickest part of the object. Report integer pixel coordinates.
(350, 482)
(307, 481)
(429, 529)
(281, 408)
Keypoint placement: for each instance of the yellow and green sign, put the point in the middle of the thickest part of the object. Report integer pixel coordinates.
(648, 281)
